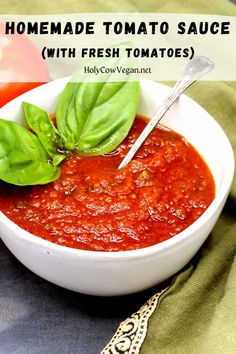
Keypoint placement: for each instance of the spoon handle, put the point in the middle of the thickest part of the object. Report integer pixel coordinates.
(196, 68)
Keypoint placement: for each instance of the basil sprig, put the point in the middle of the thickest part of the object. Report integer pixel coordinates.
(95, 117)
(91, 118)
(46, 131)
(23, 159)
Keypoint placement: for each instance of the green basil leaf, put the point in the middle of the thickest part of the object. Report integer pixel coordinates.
(107, 120)
(94, 114)
(23, 159)
(99, 115)
(67, 122)
(47, 133)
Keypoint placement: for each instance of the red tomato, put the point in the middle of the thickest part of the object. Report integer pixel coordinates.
(21, 66)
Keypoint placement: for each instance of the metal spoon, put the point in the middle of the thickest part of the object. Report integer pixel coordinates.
(196, 68)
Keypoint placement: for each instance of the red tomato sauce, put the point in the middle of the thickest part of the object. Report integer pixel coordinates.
(94, 206)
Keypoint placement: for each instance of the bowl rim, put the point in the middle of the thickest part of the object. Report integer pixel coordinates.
(183, 236)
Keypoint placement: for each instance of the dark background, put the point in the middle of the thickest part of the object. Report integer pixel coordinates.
(38, 317)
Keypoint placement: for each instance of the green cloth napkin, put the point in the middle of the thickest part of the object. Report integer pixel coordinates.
(197, 314)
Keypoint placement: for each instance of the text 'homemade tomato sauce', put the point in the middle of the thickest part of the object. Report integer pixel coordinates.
(94, 206)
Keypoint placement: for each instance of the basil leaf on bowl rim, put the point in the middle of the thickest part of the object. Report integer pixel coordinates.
(23, 159)
(94, 117)
(46, 131)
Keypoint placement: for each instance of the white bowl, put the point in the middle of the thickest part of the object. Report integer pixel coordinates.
(116, 273)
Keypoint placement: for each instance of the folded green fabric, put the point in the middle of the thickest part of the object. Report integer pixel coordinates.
(197, 314)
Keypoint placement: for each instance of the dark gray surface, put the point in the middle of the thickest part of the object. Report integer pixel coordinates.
(41, 318)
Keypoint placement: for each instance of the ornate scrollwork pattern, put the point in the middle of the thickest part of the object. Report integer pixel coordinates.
(131, 332)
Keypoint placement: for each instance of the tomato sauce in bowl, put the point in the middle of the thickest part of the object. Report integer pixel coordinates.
(94, 206)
